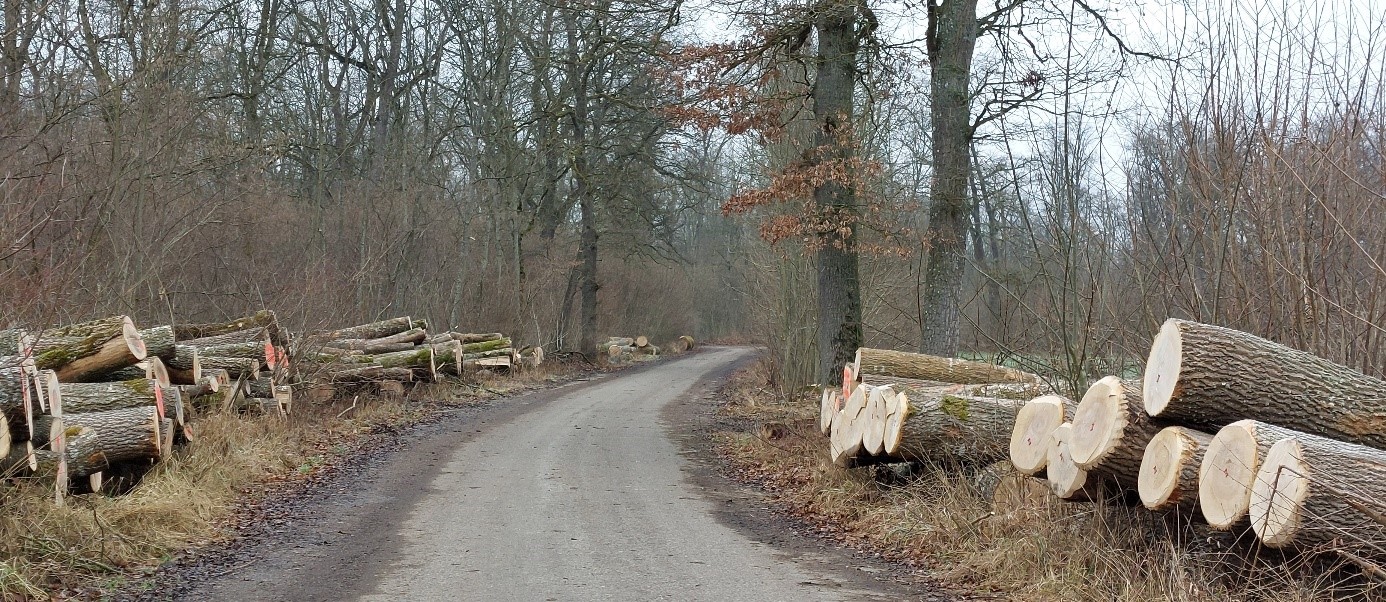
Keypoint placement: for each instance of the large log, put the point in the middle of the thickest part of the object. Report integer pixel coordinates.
(252, 350)
(1169, 469)
(189, 369)
(935, 425)
(474, 337)
(236, 367)
(373, 330)
(1020, 391)
(90, 350)
(1034, 426)
(250, 335)
(100, 397)
(1229, 468)
(1315, 491)
(1111, 430)
(1208, 376)
(119, 435)
(263, 319)
(158, 341)
(358, 374)
(929, 367)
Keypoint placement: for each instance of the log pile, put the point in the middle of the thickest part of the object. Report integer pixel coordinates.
(80, 400)
(1225, 426)
(624, 350)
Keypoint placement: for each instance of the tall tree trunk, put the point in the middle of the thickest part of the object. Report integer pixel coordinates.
(952, 39)
(579, 122)
(839, 288)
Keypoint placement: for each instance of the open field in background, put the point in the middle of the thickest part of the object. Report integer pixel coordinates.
(1003, 537)
(201, 494)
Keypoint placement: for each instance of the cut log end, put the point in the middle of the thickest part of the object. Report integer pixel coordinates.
(899, 412)
(133, 340)
(1099, 422)
(826, 409)
(1278, 494)
(1034, 425)
(1162, 367)
(1164, 468)
(873, 431)
(1066, 479)
(1226, 474)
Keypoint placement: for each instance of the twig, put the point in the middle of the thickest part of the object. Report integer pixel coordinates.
(353, 406)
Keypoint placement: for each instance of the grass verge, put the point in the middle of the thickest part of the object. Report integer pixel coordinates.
(98, 543)
(987, 536)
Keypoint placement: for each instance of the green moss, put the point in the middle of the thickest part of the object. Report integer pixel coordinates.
(955, 406)
(140, 385)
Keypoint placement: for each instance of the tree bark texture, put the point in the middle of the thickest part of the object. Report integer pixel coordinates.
(1316, 491)
(919, 366)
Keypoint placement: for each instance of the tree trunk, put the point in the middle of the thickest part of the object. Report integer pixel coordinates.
(834, 90)
(158, 341)
(953, 28)
(261, 319)
(1111, 430)
(99, 397)
(1315, 491)
(1209, 376)
(1034, 426)
(919, 366)
(1169, 468)
(1229, 467)
(115, 436)
(89, 350)
(14, 342)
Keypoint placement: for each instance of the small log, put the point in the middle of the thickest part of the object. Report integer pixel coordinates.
(263, 319)
(942, 425)
(117, 436)
(236, 367)
(158, 341)
(47, 429)
(253, 350)
(6, 440)
(641, 341)
(373, 330)
(88, 351)
(1315, 491)
(1034, 426)
(189, 365)
(267, 406)
(619, 342)
(471, 337)
(532, 358)
(1208, 376)
(100, 397)
(1066, 479)
(221, 378)
(828, 408)
(20, 459)
(1229, 468)
(155, 369)
(249, 335)
(356, 374)
(1111, 430)
(412, 337)
(929, 367)
(174, 407)
(1169, 468)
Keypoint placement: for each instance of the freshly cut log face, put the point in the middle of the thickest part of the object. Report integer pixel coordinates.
(1169, 468)
(1229, 468)
(1111, 430)
(155, 369)
(930, 367)
(87, 351)
(1066, 479)
(849, 381)
(1202, 375)
(826, 410)
(898, 411)
(1317, 491)
(1034, 425)
(873, 431)
(846, 438)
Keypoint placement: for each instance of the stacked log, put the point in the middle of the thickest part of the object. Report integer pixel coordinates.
(624, 350)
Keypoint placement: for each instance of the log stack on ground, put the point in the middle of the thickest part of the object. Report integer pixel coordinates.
(624, 350)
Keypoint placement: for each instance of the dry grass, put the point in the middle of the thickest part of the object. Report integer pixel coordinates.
(1021, 543)
(98, 542)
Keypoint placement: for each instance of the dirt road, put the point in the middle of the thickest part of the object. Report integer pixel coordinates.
(589, 492)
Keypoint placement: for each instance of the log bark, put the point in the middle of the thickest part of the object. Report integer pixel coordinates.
(100, 397)
(20, 459)
(1111, 430)
(47, 429)
(253, 350)
(250, 335)
(412, 336)
(158, 341)
(263, 319)
(1229, 468)
(1018, 391)
(939, 425)
(929, 367)
(1034, 426)
(90, 350)
(166, 440)
(14, 341)
(1208, 376)
(184, 357)
(1169, 468)
(1315, 491)
(357, 374)
(174, 408)
(471, 337)
(373, 330)
(236, 367)
(115, 436)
